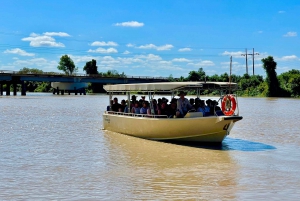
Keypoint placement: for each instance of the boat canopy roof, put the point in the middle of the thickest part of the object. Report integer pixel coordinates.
(170, 86)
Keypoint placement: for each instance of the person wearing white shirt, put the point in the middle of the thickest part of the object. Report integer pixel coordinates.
(183, 105)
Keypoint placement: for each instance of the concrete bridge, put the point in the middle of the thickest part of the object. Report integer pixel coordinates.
(14, 77)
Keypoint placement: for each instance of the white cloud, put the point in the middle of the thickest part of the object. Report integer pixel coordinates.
(260, 32)
(181, 60)
(45, 40)
(164, 47)
(102, 43)
(108, 60)
(288, 58)
(40, 63)
(281, 11)
(186, 49)
(234, 54)
(165, 62)
(151, 57)
(104, 51)
(130, 24)
(130, 45)
(61, 34)
(79, 59)
(290, 34)
(126, 52)
(158, 48)
(19, 52)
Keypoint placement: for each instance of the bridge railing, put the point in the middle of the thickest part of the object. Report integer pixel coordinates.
(78, 75)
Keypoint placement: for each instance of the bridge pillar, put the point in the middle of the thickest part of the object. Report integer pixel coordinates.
(57, 90)
(23, 92)
(75, 90)
(8, 89)
(1, 89)
(15, 88)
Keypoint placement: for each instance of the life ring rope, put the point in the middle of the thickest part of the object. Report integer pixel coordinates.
(228, 104)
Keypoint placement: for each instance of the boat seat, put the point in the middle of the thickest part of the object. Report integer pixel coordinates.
(193, 114)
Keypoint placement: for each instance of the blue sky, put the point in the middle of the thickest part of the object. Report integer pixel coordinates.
(150, 38)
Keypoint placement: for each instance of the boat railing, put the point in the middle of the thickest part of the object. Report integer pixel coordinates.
(137, 115)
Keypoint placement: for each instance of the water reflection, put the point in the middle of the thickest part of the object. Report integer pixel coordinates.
(172, 171)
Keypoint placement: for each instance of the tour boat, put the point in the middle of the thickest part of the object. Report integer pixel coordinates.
(194, 126)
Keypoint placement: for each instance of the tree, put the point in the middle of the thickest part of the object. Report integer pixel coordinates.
(30, 71)
(67, 65)
(91, 67)
(202, 75)
(193, 76)
(273, 85)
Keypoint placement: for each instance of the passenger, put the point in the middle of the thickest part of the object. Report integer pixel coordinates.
(136, 109)
(211, 107)
(155, 106)
(183, 105)
(145, 109)
(165, 100)
(197, 103)
(206, 109)
(172, 109)
(215, 103)
(159, 101)
(115, 106)
(163, 110)
(201, 108)
(122, 106)
(192, 101)
(143, 98)
(108, 108)
(133, 100)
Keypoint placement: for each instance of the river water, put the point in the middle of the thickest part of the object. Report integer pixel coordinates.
(52, 148)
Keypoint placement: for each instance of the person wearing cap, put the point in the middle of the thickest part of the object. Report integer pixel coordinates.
(133, 101)
(183, 105)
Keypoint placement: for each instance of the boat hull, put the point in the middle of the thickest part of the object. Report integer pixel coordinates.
(200, 129)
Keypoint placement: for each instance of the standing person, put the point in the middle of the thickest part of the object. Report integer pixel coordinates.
(183, 105)
(115, 106)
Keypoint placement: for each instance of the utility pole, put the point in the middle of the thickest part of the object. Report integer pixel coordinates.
(253, 58)
(246, 61)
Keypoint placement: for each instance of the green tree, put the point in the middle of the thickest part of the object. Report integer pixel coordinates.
(273, 85)
(202, 75)
(67, 65)
(30, 71)
(91, 67)
(193, 76)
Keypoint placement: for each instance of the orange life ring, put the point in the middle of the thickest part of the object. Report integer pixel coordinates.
(228, 105)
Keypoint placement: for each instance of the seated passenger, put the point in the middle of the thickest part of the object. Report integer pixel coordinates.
(201, 108)
(155, 106)
(136, 109)
(197, 103)
(122, 106)
(145, 109)
(192, 101)
(172, 109)
(163, 110)
(108, 108)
